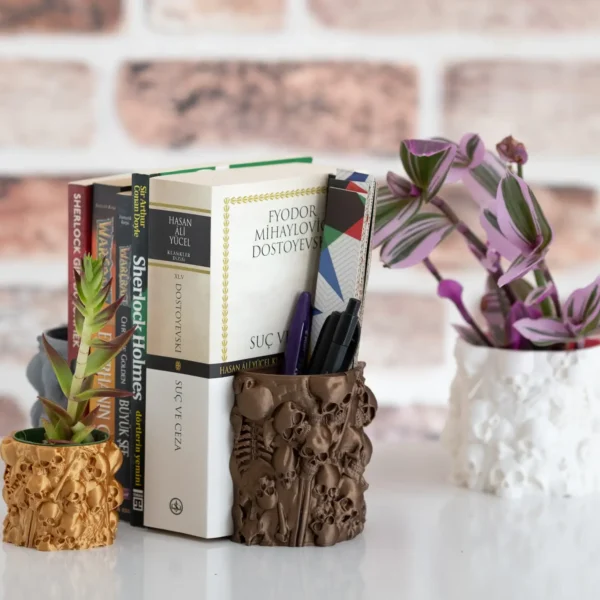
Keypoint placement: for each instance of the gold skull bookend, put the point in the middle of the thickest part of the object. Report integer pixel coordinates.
(60, 497)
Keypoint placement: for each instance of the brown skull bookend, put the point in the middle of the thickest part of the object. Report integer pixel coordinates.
(299, 457)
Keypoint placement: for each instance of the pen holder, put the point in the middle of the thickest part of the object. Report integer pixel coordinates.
(299, 457)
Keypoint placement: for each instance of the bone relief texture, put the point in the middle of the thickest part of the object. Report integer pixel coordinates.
(299, 457)
(61, 497)
(525, 422)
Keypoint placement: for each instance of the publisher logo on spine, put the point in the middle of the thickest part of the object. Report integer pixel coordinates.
(176, 506)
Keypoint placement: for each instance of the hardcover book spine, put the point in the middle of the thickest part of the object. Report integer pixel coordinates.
(104, 246)
(80, 243)
(124, 237)
(179, 282)
(140, 195)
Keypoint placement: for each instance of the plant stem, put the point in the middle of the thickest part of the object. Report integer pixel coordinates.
(78, 376)
(462, 309)
(432, 269)
(546, 305)
(472, 238)
(520, 170)
(462, 228)
(548, 276)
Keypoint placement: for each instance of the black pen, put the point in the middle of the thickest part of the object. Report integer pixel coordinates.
(317, 360)
(344, 339)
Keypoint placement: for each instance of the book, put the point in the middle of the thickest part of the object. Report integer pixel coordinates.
(123, 361)
(80, 241)
(111, 239)
(141, 199)
(229, 251)
(345, 255)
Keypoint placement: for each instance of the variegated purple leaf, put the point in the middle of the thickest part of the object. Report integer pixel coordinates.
(469, 155)
(582, 308)
(538, 295)
(520, 267)
(544, 331)
(415, 240)
(427, 163)
(496, 240)
(392, 216)
(468, 335)
(520, 216)
(398, 186)
(482, 182)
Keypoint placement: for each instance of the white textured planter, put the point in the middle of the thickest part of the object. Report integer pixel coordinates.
(525, 422)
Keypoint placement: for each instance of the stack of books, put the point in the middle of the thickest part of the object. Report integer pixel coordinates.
(210, 261)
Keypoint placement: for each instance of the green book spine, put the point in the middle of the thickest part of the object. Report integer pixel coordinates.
(139, 308)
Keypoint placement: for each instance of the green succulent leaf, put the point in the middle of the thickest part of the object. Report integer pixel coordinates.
(49, 429)
(90, 417)
(81, 306)
(102, 393)
(101, 297)
(55, 412)
(79, 318)
(106, 314)
(79, 285)
(60, 367)
(81, 433)
(99, 357)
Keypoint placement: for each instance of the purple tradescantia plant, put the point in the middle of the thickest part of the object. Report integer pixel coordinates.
(427, 163)
(517, 314)
(580, 320)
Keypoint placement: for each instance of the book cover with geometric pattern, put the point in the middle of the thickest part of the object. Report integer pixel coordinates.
(344, 260)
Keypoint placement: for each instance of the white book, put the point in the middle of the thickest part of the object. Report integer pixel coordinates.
(229, 252)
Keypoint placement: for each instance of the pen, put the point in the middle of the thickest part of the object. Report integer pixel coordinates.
(323, 342)
(343, 339)
(297, 342)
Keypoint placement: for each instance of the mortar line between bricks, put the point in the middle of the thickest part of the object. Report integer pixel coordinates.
(294, 44)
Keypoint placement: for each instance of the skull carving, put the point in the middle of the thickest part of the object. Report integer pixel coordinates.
(115, 495)
(43, 463)
(72, 496)
(97, 468)
(350, 451)
(349, 501)
(315, 450)
(95, 499)
(326, 484)
(57, 466)
(48, 514)
(367, 407)
(254, 401)
(266, 495)
(37, 488)
(330, 391)
(44, 543)
(291, 423)
(70, 526)
(326, 531)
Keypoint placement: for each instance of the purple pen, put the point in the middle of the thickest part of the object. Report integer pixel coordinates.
(297, 342)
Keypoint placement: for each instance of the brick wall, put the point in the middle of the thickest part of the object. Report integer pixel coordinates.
(99, 86)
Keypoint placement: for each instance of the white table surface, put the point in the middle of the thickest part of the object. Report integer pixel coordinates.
(424, 540)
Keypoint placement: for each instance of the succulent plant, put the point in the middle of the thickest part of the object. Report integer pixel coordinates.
(73, 425)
